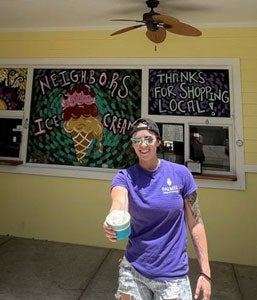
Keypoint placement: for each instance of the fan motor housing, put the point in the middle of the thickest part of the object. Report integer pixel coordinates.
(152, 3)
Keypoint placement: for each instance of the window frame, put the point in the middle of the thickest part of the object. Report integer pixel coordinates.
(235, 179)
(235, 121)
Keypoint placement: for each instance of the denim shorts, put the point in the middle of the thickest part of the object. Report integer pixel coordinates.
(139, 287)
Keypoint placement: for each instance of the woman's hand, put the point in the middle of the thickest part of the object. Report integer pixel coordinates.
(109, 232)
(203, 288)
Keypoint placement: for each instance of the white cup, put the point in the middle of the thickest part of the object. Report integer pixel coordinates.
(119, 220)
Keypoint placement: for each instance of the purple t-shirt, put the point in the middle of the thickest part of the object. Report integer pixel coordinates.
(158, 240)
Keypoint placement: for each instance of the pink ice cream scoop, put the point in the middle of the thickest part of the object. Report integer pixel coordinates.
(79, 101)
(79, 95)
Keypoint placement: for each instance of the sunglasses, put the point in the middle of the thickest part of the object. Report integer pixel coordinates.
(148, 140)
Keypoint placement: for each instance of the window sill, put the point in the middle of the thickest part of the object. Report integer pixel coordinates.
(216, 177)
(8, 162)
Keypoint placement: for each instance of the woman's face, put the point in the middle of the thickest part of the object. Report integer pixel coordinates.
(145, 144)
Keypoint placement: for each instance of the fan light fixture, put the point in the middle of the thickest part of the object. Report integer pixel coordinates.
(158, 24)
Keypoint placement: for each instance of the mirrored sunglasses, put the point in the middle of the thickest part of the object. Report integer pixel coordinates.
(148, 140)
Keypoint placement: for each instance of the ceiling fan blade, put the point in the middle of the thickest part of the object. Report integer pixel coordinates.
(183, 29)
(173, 25)
(140, 21)
(165, 19)
(126, 29)
(156, 36)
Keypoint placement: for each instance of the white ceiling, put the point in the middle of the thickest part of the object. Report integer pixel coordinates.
(96, 14)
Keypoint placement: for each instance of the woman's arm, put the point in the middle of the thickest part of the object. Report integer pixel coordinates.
(197, 232)
(119, 196)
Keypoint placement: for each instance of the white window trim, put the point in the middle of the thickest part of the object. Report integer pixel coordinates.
(145, 64)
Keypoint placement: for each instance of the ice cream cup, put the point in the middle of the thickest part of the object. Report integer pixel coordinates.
(119, 220)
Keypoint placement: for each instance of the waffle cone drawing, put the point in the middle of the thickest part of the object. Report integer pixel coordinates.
(83, 130)
(82, 141)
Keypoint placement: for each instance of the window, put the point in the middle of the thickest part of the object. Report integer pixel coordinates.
(10, 137)
(172, 146)
(209, 145)
(205, 100)
(196, 103)
(12, 98)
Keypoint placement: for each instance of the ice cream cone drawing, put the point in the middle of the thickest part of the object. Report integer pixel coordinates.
(81, 119)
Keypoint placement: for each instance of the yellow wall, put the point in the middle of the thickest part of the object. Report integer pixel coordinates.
(72, 210)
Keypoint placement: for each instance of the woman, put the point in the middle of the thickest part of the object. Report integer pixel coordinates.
(162, 199)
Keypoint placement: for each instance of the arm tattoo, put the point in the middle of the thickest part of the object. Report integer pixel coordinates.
(193, 205)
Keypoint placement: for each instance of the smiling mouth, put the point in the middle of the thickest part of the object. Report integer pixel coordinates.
(144, 151)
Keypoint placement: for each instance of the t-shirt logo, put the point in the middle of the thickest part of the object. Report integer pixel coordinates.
(169, 188)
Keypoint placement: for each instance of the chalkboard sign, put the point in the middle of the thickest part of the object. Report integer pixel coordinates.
(81, 117)
(189, 92)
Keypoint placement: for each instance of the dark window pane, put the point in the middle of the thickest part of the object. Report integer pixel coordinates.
(210, 146)
(10, 137)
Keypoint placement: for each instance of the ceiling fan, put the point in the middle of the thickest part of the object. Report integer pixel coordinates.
(157, 25)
